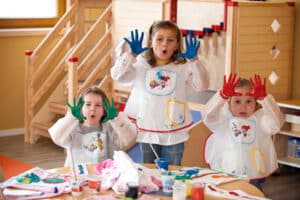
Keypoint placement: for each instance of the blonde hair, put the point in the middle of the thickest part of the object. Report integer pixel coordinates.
(149, 55)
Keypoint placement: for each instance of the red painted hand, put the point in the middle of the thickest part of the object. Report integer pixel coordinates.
(259, 87)
(229, 86)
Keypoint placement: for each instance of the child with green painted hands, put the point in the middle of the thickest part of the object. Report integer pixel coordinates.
(85, 131)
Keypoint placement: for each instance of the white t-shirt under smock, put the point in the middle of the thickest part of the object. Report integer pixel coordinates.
(158, 100)
(89, 144)
(242, 146)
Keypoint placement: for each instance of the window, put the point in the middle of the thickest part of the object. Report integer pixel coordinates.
(30, 13)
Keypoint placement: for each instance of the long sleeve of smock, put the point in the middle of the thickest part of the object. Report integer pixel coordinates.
(197, 76)
(61, 131)
(272, 118)
(214, 113)
(123, 70)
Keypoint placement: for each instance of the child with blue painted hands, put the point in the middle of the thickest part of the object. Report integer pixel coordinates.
(84, 131)
(160, 75)
(242, 118)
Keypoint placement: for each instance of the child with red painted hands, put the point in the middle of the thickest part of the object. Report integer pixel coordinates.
(160, 75)
(86, 130)
(242, 118)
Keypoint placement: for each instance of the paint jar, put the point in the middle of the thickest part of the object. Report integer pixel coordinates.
(197, 192)
(168, 179)
(162, 163)
(76, 188)
(187, 181)
(94, 183)
(132, 190)
(179, 191)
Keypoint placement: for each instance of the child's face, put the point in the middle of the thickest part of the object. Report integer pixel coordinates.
(242, 106)
(164, 43)
(93, 109)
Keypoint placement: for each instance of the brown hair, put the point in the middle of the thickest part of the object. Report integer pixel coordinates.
(95, 90)
(149, 55)
(244, 83)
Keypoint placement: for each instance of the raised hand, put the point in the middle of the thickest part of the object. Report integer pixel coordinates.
(229, 86)
(259, 87)
(111, 110)
(136, 44)
(192, 45)
(76, 108)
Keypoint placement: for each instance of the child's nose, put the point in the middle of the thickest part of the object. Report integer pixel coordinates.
(92, 108)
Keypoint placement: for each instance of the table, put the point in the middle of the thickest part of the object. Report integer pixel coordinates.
(239, 184)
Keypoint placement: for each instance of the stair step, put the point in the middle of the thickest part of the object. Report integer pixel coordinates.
(58, 108)
(44, 126)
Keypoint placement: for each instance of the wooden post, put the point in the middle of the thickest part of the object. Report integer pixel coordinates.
(28, 111)
(170, 10)
(72, 79)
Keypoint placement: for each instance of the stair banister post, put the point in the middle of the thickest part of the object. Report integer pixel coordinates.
(72, 79)
(28, 108)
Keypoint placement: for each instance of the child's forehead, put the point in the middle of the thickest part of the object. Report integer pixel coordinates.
(165, 32)
(93, 96)
(244, 88)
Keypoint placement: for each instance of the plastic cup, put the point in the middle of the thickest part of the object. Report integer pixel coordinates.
(76, 188)
(168, 179)
(162, 163)
(94, 183)
(197, 192)
(179, 191)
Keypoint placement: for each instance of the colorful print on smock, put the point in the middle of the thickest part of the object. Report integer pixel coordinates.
(94, 145)
(160, 82)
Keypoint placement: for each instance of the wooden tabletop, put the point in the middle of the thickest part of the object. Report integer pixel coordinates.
(234, 185)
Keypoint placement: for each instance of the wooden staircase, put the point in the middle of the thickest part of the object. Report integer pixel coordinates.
(76, 54)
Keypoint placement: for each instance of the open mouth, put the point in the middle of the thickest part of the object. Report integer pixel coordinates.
(243, 113)
(164, 51)
(92, 116)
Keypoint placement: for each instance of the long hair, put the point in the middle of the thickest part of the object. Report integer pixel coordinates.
(149, 55)
(95, 90)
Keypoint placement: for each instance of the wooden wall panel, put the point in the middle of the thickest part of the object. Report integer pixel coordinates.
(250, 39)
(128, 15)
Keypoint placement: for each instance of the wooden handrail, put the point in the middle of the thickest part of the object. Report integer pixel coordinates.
(62, 22)
(95, 74)
(53, 54)
(106, 38)
(94, 30)
(54, 75)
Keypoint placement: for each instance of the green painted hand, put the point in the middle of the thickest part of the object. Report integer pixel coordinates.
(76, 108)
(111, 110)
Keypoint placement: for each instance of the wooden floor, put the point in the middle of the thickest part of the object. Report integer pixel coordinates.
(45, 154)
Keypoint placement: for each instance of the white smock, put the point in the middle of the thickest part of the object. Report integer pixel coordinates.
(158, 100)
(242, 146)
(88, 144)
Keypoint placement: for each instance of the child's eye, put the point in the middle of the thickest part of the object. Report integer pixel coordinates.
(237, 101)
(249, 101)
(171, 40)
(88, 104)
(99, 105)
